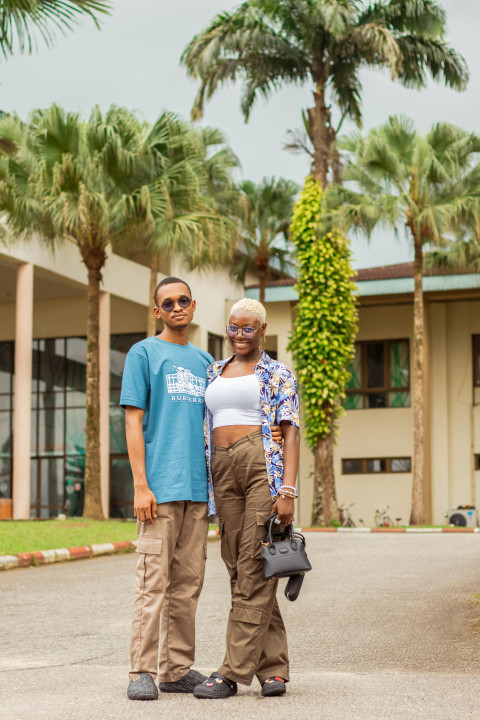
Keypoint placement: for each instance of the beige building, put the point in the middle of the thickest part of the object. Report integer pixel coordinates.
(42, 382)
(375, 440)
(42, 371)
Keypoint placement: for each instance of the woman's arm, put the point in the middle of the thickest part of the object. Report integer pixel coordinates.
(285, 506)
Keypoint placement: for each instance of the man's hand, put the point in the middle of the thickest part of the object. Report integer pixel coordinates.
(277, 434)
(284, 507)
(145, 505)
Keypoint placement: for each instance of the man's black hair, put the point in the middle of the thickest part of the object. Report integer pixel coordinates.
(170, 281)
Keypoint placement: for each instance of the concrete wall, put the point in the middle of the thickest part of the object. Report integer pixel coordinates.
(454, 422)
(373, 433)
(457, 420)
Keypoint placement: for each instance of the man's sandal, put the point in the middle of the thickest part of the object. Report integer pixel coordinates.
(143, 688)
(186, 684)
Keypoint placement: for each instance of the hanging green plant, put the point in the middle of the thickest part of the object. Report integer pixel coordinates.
(322, 343)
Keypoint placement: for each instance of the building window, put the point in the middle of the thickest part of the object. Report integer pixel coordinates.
(59, 426)
(477, 462)
(121, 480)
(379, 375)
(215, 346)
(371, 466)
(6, 418)
(476, 368)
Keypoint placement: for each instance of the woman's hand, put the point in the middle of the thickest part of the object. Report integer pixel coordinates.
(277, 434)
(285, 508)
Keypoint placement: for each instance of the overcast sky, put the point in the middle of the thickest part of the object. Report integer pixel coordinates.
(134, 61)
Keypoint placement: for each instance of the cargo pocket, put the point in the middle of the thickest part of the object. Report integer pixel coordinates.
(225, 549)
(151, 574)
(253, 616)
(149, 546)
(260, 535)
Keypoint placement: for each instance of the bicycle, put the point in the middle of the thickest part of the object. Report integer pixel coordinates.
(344, 516)
(383, 519)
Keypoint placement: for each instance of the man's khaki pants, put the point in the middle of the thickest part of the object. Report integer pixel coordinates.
(256, 638)
(170, 570)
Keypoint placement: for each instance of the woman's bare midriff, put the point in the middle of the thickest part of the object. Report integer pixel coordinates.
(228, 434)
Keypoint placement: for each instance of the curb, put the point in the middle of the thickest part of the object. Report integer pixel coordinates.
(392, 530)
(45, 557)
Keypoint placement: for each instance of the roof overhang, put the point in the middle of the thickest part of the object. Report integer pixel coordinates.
(385, 287)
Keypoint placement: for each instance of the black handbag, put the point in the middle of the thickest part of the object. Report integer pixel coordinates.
(285, 557)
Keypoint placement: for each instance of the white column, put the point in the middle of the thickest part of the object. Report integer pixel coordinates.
(440, 449)
(104, 351)
(22, 397)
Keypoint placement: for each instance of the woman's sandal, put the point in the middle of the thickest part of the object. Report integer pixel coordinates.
(216, 686)
(273, 686)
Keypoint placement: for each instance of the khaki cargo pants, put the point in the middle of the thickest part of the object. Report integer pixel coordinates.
(170, 570)
(256, 643)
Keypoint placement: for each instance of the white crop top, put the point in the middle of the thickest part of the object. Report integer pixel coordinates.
(234, 401)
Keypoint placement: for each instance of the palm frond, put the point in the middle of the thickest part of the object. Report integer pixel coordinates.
(22, 21)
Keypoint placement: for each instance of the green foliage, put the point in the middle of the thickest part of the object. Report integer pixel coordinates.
(322, 343)
(21, 21)
(396, 176)
(265, 211)
(268, 44)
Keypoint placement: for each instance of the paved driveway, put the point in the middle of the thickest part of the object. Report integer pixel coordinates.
(384, 628)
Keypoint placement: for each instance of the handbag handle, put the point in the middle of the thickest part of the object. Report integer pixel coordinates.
(288, 529)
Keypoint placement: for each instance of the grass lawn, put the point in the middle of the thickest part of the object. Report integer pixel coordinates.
(30, 535)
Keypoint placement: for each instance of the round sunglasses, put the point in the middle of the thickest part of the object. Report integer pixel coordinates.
(183, 301)
(247, 331)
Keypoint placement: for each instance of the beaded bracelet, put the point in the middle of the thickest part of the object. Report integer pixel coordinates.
(288, 491)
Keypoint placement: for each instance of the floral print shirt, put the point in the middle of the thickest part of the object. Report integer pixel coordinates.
(278, 401)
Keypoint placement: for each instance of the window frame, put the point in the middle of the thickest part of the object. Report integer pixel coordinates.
(364, 390)
(388, 465)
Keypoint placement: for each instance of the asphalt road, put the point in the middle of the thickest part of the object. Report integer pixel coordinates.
(385, 627)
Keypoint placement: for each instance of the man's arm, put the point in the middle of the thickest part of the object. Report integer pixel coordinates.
(144, 501)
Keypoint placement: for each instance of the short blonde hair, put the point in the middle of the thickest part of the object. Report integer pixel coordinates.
(251, 306)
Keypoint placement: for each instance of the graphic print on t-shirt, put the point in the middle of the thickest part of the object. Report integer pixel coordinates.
(184, 385)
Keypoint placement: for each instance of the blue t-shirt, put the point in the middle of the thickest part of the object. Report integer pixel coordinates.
(168, 382)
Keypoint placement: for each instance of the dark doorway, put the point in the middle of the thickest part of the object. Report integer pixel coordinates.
(121, 487)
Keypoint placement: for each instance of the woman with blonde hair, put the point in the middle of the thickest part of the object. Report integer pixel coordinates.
(250, 477)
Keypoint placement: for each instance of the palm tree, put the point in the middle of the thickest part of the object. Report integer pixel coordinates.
(22, 20)
(265, 213)
(463, 251)
(73, 181)
(429, 184)
(181, 208)
(325, 43)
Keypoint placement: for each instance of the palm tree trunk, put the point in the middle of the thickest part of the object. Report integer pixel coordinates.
(92, 507)
(262, 278)
(151, 319)
(325, 501)
(325, 507)
(417, 516)
(321, 135)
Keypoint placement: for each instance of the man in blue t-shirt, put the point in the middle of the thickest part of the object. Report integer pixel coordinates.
(163, 391)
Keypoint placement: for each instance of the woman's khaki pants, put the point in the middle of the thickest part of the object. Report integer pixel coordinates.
(170, 570)
(256, 640)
